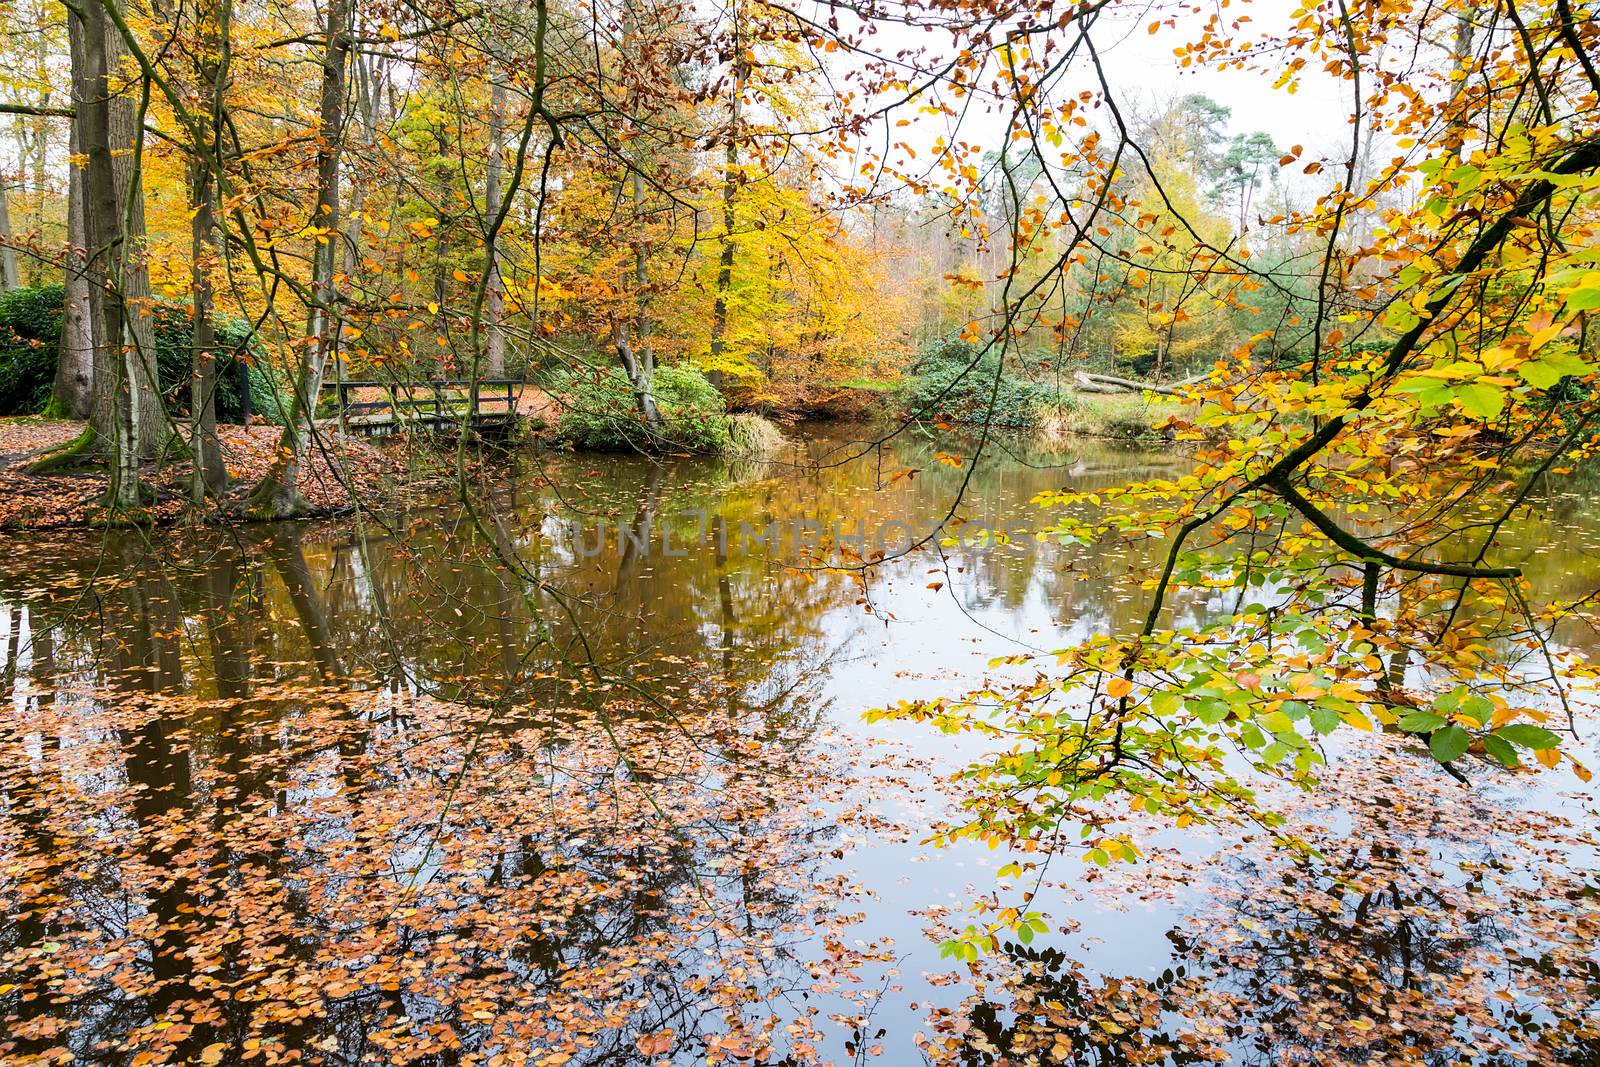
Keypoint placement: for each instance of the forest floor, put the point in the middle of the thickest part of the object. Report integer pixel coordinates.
(76, 498)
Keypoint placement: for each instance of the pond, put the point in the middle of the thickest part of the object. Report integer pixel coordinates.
(577, 773)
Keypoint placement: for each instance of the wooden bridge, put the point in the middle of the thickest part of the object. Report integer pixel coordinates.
(384, 407)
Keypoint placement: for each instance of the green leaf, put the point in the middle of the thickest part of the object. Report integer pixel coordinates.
(1166, 703)
(1251, 736)
(1448, 743)
(1477, 708)
(1211, 711)
(1548, 369)
(1528, 735)
(1025, 934)
(1430, 392)
(1586, 299)
(1324, 720)
(1400, 316)
(1484, 401)
(1501, 750)
(1421, 722)
(1277, 722)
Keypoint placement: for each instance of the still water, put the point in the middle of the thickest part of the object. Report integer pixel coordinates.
(577, 774)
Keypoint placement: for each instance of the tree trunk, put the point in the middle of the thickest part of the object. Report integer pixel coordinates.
(494, 354)
(8, 254)
(72, 395)
(277, 495)
(210, 476)
(635, 352)
(114, 417)
(730, 185)
(363, 75)
(38, 146)
(1085, 382)
(644, 357)
(124, 112)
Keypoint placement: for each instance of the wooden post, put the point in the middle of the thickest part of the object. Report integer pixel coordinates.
(244, 389)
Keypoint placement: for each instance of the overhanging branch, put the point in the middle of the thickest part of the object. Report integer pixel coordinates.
(1368, 553)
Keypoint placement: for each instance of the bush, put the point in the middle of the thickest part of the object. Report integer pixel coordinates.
(30, 338)
(175, 360)
(598, 411)
(951, 380)
(30, 334)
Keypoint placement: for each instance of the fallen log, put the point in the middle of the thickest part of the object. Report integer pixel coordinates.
(1085, 382)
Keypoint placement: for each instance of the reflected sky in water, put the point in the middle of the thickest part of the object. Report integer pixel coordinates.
(579, 772)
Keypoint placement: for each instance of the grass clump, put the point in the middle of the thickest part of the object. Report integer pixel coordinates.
(1128, 416)
(752, 436)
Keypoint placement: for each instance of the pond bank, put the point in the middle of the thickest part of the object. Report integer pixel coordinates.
(76, 498)
(369, 466)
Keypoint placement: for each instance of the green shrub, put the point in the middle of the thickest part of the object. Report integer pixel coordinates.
(30, 338)
(598, 411)
(30, 334)
(954, 380)
(175, 360)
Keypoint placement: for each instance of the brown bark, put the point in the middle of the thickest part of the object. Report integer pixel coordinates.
(72, 395)
(115, 412)
(126, 129)
(494, 354)
(210, 476)
(277, 495)
(8, 253)
(730, 187)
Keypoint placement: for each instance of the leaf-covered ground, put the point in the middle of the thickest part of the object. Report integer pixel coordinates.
(75, 499)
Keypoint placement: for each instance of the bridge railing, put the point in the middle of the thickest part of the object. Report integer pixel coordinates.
(441, 397)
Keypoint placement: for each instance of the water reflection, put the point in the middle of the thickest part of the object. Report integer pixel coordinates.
(1412, 936)
(553, 780)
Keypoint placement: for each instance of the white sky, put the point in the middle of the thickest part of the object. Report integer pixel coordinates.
(1144, 72)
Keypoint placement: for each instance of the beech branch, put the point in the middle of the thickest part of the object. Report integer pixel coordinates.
(1371, 554)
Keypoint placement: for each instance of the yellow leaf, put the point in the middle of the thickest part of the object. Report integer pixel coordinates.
(1119, 687)
(1357, 719)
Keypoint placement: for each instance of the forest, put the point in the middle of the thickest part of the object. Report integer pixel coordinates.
(983, 532)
